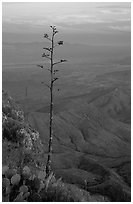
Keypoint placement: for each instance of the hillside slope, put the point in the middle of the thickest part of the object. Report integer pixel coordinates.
(19, 140)
(23, 167)
(92, 133)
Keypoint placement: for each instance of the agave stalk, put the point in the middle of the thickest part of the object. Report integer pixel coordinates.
(48, 165)
(49, 55)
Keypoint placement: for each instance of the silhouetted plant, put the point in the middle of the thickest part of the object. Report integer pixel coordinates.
(49, 54)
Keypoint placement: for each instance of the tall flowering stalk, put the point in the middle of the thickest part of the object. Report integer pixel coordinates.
(49, 54)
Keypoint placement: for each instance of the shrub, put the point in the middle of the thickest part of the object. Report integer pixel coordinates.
(10, 128)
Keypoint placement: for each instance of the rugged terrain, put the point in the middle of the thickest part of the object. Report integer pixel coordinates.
(91, 146)
(92, 133)
(23, 167)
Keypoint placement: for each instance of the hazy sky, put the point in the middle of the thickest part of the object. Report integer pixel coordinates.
(79, 23)
(68, 17)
